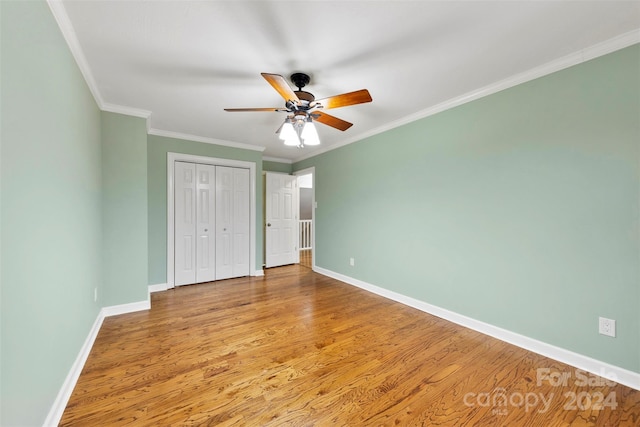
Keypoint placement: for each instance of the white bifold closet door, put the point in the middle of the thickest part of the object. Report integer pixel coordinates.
(232, 222)
(211, 223)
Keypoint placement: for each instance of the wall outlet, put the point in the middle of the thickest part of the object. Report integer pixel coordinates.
(352, 262)
(95, 294)
(607, 326)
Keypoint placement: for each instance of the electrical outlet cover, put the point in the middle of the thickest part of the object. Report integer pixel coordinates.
(607, 327)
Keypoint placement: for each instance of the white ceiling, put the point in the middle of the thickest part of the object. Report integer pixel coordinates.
(185, 61)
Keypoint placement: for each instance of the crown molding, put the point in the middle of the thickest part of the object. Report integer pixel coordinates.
(576, 58)
(69, 34)
(277, 159)
(611, 45)
(206, 140)
(128, 111)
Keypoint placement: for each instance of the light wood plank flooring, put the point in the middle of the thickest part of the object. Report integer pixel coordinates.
(306, 258)
(295, 348)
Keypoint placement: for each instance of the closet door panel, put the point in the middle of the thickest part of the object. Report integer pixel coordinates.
(185, 226)
(205, 219)
(224, 222)
(241, 222)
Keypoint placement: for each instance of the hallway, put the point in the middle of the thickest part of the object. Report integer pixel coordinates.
(306, 258)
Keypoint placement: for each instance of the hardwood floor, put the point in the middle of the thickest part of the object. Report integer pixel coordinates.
(305, 258)
(295, 348)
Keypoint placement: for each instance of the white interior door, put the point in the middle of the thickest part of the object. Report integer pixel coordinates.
(241, 226)
(205, 220)
(281, 220)
(232, 222)
(185, 228)
(224, 213)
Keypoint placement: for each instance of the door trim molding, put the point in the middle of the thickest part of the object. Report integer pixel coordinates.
(312, 171)
(181, 157)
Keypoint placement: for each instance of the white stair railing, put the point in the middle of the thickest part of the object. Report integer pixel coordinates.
(305, 234)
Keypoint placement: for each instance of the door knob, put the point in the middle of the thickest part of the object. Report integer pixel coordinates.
(268, 224)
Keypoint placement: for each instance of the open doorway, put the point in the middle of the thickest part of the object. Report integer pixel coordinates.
(307, 208)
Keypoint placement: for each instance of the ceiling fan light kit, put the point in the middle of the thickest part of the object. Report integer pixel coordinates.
(288, 134)
(298, 129)
(309, 133)
(298, 132)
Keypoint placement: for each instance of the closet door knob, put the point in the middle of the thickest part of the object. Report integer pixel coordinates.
(268, 224)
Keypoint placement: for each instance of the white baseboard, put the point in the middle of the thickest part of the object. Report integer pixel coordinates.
(59, 405)
(158, 287)
(131, 307)
(585, 363)
(259, 273)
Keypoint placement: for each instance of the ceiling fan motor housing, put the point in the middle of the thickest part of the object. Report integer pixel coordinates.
(305, 96)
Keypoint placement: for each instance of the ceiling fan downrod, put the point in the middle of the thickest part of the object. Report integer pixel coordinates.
(306, 99)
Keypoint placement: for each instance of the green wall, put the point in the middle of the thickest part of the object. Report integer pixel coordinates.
(51, 212)
(270, 166)
(124, 198)
(520, 209)
(157, 149)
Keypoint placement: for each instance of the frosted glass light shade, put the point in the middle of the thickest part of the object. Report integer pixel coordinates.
(310, 134)
(287, 131)
(289, 135)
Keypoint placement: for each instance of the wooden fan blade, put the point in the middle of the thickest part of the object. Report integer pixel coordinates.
(329, 120)
(346, 99)
(235, 110)
(281, 86)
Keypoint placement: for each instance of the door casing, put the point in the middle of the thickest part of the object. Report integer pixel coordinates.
(311, 171)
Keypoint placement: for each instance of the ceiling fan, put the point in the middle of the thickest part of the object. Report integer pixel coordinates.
(303, 109)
